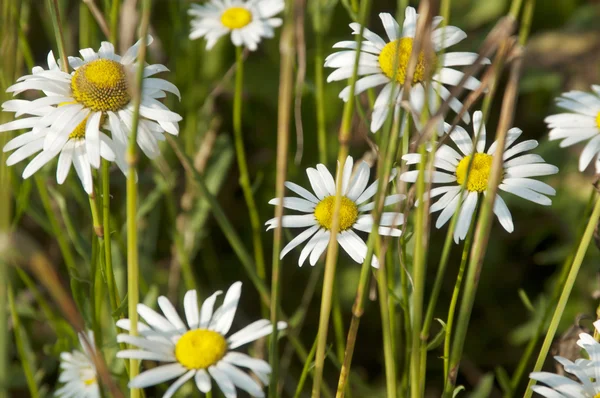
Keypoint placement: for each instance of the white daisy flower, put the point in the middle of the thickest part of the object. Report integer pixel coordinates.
(516, 177)
(201, 351)
(248, 21)
(586, 370)
(580, 124)
(96, 92)
(354, 212)
(72, 152)
(78, 373)
(378, 58)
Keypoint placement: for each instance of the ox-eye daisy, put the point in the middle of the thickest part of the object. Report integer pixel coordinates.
(78, 373)
(580, 124)
(385, 63)
(201, 351)
(516, 177)
(354, 212)
(587, 371)
(73, 152)
(97, 92)
(248, 21)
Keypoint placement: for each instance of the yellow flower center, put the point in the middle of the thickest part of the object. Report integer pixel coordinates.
(101, 85)
(236, 17)
(200, 348)
(480, 172)
(79, 131)
(597, 395)
(394, 58)
(348, 213)
(89, 382)
(598, 124)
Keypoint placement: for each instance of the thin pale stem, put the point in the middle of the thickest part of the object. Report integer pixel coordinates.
(566, 292)
(386, 326)
(259, 257)
(133, 271)
(286, 88)
(320, 84)
(332, 248)
(483, 227)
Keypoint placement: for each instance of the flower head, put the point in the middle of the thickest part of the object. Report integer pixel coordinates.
(248, 21)
(587, 371)
(68, 120)
(581, 123)
(201, 349)
(354, 212)
(516, 177)
(78, 373)
(386, 63)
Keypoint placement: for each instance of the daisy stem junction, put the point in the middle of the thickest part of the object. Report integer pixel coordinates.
(332, 248)
(133, 272)
(566, 292)
(259, 257)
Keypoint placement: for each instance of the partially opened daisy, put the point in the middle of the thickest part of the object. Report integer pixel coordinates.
(385, 63)
(318, 208)
(580, 123)
(199, 350)
(97, 93)
(248, 21)
(518, 168)
(78, 373)
(587, 371)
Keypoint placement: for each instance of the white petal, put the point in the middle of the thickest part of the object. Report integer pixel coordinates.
(178, 383)
(464, 218)
(503, 214)
(223, 317)
(359, 181)
(392, 29)
(302, 192)
(92, 139)
(190, 306)
(479, 129)
(157, 375)
(206, 312)
(241, 379)
(295, 204)
(299, 240)
(154, 319)
(202, 381)
(223, 381)
(171, 313)
(317, 183)
(526, 193)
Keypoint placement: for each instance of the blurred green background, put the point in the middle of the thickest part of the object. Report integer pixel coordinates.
(563, 53)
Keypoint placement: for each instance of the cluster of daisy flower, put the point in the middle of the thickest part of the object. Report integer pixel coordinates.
(86, 113)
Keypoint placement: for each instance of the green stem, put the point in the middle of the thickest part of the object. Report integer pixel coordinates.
(22, 343)
(388, 351)
(566, 292)
(113, 291)
(133, 271)
(60, 41)
(305, 370)
(286, 77)
(259, 257)
(320, 88)
(455, 295)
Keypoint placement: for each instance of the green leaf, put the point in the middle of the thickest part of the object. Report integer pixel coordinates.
(504, 381)
(122, 308)
(439, 337)
(457, 390)
(525, 299)
(484, 387)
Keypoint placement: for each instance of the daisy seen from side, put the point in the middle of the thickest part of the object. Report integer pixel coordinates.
(385, 63)
(586, 371)
(78, 373)
(580, 123)
(201, 350)
(318, 212)
(452, 165)
(247, 21)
